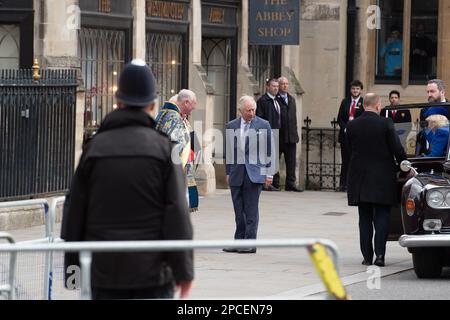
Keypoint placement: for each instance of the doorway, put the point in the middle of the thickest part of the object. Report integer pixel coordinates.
(216, 59)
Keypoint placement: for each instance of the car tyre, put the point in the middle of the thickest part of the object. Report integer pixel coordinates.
(427, 263)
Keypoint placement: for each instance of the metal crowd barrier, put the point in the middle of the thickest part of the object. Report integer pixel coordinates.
(329, 271)
(48, 237)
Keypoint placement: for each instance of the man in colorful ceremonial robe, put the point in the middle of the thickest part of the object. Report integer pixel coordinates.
(172, 120)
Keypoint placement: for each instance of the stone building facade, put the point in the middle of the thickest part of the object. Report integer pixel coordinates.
(197, 44)
(203, 45)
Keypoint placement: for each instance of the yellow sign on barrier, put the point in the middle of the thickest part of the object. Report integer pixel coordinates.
(327, 271)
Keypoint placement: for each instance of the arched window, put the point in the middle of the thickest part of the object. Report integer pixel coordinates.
(9, 46)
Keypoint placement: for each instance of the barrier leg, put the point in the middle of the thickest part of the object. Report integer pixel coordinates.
(85, 261)
(10, 288)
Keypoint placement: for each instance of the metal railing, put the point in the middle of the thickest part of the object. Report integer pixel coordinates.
(37, 132)
(49, 222)
(87, 248)
(9, 288)
(328, 270)
(323, 167)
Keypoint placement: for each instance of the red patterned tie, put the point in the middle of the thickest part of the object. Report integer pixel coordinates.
(394, 112)
(351, 115)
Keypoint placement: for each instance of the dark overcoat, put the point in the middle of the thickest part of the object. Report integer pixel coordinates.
(289, 130)
(374, 146)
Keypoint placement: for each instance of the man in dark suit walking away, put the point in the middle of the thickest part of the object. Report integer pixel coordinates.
(288, 134)
(373, 145)
(270, 109)
(249, 165)
(350, 109)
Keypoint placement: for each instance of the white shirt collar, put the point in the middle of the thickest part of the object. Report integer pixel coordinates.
(271, 96)
(243, 122)
(356, 99)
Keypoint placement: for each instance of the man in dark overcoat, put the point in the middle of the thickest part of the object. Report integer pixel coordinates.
(288, 134)
(373, 147)
(127, 187)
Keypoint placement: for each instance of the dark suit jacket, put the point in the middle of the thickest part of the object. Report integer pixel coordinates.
(343, 115)
(289, 128)
(266, 110)
(373, 144)
(401, 116)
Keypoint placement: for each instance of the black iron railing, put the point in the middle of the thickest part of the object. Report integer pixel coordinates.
(323, 165)
(37, 132)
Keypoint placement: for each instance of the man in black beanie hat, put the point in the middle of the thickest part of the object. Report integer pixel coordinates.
(127, 188)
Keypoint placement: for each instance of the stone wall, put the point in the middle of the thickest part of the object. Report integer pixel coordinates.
(25, 217)
(320, 59)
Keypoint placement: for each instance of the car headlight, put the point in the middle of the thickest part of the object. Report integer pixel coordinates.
(447, 199)
(435, 199)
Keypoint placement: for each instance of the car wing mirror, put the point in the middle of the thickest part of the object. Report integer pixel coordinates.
(406, 166)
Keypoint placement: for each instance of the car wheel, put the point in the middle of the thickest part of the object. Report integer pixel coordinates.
(427, 263)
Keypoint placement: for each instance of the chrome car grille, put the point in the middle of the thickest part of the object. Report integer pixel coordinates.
(445, 229)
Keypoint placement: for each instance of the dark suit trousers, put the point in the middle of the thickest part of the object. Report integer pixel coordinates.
(345, 156)
(370, 216)
(290, 153)
(245, 202)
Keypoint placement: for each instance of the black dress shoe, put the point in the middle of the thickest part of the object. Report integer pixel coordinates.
(247, 250)
(272, 188)
(229, 250)
(293, 188)
(379, 261)
(366, 263)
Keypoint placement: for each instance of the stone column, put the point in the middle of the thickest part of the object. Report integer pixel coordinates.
(58, 22)
(59, 33)
(139, 33)
(195, 44)
(246, 83)
(444, 42)
(291, 70)
(202, 118)
(342, 54)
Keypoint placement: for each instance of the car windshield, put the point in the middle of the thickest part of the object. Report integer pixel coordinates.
(423, 129)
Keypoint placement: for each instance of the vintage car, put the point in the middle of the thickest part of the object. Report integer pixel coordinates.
(421, 221)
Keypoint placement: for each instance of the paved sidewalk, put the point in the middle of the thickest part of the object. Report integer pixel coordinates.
(275, 273)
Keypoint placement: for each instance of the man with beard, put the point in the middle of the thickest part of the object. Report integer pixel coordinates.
(436, 94)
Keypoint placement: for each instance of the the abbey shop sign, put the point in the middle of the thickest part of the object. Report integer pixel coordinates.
(274, 22)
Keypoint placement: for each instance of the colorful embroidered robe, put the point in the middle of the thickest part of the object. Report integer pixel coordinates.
(170, 122)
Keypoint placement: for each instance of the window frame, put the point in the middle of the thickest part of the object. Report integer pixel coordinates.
(175, 28)
(25, 19)
(406, 38)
